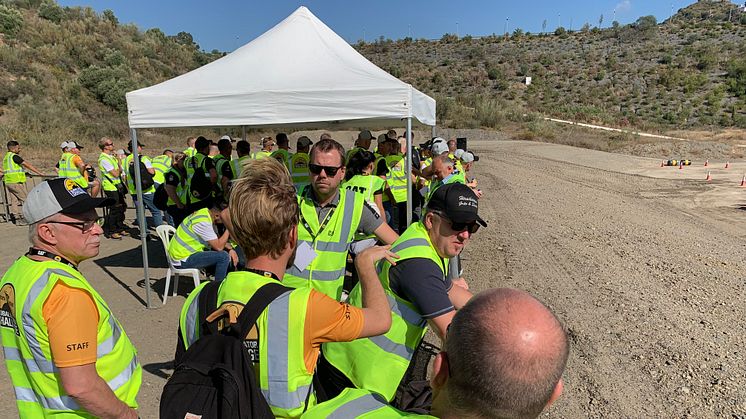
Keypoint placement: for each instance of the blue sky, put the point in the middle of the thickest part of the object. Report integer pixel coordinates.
(227, 24)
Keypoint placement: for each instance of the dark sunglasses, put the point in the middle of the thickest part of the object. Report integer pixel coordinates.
(84, 226)
(330, 170)
(472, 227)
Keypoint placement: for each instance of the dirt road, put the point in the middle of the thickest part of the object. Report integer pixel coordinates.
(643, 265)
(646, 273)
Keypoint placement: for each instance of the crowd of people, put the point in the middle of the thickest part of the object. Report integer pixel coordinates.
(332, 344)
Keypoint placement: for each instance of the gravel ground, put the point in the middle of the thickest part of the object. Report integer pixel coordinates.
(642, 264)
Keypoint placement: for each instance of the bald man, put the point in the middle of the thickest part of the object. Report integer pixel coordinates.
(503, 358)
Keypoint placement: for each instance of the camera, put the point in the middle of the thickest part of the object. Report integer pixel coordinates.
(91, 173)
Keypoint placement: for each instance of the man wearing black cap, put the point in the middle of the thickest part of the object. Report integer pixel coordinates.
(362, 143)
(65, 351)
(420, 294)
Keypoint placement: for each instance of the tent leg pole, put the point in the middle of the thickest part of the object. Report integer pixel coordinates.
(409, 172)
(243, 132)
(140, 208)
(433, 132)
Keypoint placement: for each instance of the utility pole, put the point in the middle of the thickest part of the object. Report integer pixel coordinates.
(559, 20)
(409, 30)
(506, 25)
(457, 30)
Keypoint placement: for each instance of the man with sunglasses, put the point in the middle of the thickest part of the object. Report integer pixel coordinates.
(329, 219)
(65, 351)
(420, 294)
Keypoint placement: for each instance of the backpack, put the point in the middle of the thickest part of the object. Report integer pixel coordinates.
(146, 179)
(200, 186)
(214, 378)
(160, 197)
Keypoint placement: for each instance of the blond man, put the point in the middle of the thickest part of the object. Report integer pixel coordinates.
(263, 218)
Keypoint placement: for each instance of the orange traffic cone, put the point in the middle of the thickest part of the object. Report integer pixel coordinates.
(706, 162)
(709, 177)
(743, 180)
(727, 164)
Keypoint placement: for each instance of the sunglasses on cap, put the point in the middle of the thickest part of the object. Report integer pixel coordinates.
(472, 226)
(330, 170)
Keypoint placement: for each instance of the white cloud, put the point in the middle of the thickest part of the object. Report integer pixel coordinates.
(623, 6)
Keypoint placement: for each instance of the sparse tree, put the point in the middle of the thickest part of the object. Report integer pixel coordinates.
(601, 21)
(109, 15)
(544, 26)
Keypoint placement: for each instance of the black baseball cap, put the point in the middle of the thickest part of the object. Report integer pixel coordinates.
(457, 202)
(59, 195)
(129, 145)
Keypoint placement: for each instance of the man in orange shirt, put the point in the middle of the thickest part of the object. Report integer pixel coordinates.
(65, 351)
(263, 219)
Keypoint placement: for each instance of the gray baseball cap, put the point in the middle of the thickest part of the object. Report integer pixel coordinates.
(59, 195)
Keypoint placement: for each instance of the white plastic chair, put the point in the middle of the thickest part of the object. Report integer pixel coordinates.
(165, 232)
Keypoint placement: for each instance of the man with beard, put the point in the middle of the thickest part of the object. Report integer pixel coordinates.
(263, 217)
(329, 219)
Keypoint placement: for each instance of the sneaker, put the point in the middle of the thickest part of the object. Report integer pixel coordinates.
(20, 221)
(114, 236)
(124, 233)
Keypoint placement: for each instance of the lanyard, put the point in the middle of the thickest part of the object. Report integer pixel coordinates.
(263, 273)
(45, 254)
(328, 217)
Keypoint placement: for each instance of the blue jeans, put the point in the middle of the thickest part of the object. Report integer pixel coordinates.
(154, 211)
(220, 260)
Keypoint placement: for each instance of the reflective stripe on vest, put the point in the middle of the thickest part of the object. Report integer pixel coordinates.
(237, 165)
(161, 165)
(357, 403)
(109, 182)
(186, 242)
(283, 378)
(68, 170)
(397, 177)
(299, 170)
(128, 161)
(14, 173)
(35, 378)
(392, 351)
(326, 271)
(181, 190)
(452, 178)
(366, 185)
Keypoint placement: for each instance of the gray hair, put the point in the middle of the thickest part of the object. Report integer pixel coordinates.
(445, 160)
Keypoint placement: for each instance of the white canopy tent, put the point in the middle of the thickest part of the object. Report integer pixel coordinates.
(299, 74)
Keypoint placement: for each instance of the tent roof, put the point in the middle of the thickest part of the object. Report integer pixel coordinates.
(299, 74)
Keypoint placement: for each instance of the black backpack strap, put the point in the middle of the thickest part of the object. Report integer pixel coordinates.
(256, 305)
(208, 302)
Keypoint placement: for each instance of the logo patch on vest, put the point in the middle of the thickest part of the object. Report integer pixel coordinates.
(8, 308)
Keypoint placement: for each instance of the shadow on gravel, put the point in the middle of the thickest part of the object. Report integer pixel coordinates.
(160, 369)
(132, 258)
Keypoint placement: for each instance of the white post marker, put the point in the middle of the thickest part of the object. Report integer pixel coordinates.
(141, 217)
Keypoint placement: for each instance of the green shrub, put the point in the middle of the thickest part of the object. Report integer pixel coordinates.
(11, 20)
(51, 11)
(737, 77)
